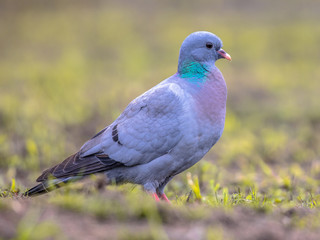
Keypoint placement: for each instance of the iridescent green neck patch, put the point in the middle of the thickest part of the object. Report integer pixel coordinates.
(194, 72)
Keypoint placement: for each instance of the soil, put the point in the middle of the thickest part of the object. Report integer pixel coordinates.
(238, 223)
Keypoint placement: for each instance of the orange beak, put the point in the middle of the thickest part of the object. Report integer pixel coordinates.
(223, 54)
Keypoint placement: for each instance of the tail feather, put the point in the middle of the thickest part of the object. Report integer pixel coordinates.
(73, 168)
(48, 186)
(36, 190)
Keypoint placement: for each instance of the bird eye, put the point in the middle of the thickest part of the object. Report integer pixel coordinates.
(209, 45)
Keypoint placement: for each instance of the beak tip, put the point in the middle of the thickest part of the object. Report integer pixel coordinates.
(225, 55)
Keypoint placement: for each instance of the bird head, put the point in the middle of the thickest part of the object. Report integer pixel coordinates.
(201, 47)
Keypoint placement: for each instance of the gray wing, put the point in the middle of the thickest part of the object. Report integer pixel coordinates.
(147, 129)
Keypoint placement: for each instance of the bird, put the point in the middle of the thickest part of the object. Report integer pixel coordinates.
(162, 132)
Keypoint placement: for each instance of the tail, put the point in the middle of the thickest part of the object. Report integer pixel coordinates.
(48, 186)
(71, 169)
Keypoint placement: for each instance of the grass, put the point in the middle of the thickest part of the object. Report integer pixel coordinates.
(67, 70)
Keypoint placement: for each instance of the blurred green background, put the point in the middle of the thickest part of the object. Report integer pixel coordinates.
(69, 68)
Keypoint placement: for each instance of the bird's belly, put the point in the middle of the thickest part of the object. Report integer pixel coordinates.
(209, 135)
(195, 145)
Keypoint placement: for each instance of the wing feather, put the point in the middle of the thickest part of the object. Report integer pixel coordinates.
(75, 165)
(147, 129)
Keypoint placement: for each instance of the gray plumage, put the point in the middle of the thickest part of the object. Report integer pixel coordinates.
(161, 133)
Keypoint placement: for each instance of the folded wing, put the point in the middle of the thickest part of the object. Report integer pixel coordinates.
(147, 129)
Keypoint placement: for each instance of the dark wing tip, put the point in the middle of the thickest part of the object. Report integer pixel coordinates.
(80, 166)
(53, 172)
(45, 175)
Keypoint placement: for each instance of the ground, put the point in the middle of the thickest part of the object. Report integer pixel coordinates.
(152, 221)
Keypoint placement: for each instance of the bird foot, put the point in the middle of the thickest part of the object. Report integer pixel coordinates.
(164, 197)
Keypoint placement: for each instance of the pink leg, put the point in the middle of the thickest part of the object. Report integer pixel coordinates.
(164, 197)
(155, 196)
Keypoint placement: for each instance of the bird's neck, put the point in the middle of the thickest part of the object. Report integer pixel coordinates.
(194, 72)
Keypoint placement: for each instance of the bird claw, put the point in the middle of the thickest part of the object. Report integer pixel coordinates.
(162, 197)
